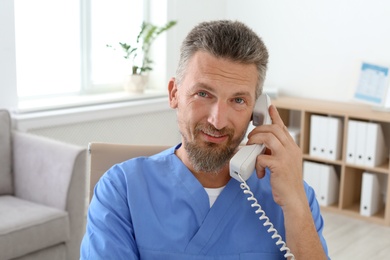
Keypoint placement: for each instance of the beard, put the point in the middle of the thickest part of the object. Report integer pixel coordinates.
(211, 157)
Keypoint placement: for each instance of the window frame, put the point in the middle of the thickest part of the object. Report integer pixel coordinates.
(86, 85)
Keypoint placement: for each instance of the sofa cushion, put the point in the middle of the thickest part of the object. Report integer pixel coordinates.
(5, 153)
(26, 227)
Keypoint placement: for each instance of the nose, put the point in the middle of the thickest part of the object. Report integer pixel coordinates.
(218, 116)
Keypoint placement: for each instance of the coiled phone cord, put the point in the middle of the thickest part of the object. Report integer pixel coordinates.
(244, 186)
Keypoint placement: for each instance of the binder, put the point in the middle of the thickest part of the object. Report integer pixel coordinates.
(325, 137)
(351, 142)
(365, 144)
(323, 134)
(315, 135)
(360, 150)
(376, 151)
(370, 200)
(329, 185)
(311, 176)
(324, 181)
(334, 135)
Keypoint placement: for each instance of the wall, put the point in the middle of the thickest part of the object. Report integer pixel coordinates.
(143, 129)
(316, 47)
(8, 95)
(145, 122)
(188, 13)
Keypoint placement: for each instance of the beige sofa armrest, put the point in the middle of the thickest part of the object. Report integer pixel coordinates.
(43, 169)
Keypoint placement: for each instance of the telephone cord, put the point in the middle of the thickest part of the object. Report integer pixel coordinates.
(246, 189)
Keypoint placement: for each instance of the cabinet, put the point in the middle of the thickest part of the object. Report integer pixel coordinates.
(297, 112)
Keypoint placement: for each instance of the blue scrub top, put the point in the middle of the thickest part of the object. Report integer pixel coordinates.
(154, 208)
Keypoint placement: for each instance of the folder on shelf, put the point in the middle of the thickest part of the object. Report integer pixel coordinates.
(329, 186)
(366, 144)
(376, 151)
(323, 134)
(370, 200)
(315, 135)
(324, 180)
(351, 142)
(325, 137)
(333, 134)
(312, 177)
(361, 133)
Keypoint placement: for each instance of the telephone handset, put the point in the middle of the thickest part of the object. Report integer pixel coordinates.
(242, 166)
(243, 162)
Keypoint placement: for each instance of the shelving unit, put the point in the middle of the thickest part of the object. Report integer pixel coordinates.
(296, 112)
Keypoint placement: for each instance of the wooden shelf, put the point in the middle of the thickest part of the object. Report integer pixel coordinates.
(323, 160)
(297, 112)
(384, 168)
(351, 110)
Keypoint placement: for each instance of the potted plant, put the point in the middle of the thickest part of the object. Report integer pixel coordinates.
(139, 54)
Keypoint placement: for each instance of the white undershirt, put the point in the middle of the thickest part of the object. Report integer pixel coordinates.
(213, 194)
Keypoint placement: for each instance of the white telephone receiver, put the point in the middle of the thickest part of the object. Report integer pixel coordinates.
(242, 165)
(243, 162)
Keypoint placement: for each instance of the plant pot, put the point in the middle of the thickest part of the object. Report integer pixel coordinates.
(135, 83)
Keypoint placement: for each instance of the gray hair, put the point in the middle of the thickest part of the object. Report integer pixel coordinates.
(232, 40)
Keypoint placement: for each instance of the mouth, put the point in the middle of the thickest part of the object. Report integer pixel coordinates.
(214, 137)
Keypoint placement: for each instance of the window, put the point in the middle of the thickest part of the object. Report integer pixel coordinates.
(112, 22)
(61, 44)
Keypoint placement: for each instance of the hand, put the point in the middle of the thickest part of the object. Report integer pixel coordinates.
(283, 157)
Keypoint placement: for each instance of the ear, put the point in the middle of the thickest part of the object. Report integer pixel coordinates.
(172, 90)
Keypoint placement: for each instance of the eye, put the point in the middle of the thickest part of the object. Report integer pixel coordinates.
(239, 100)
(202, 94)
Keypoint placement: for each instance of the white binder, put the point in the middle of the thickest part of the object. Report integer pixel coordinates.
(315, 135)
(325, 137)
(370, 200)
(329, 185)
(365, 144)
(351, 142)
(333, 134)
(323, 133)
(324, 180)
(361, 134)
(376, 151)
(312, 177)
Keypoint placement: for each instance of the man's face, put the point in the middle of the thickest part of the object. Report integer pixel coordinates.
(214, 104)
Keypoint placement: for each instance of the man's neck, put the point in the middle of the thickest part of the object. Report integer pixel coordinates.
(213, 180)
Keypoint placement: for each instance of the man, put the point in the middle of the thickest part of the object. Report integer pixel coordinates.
(182, 203)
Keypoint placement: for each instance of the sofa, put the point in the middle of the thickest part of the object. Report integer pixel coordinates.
(43, 196)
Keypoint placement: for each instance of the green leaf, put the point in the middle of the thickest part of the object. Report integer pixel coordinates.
(146, 36)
